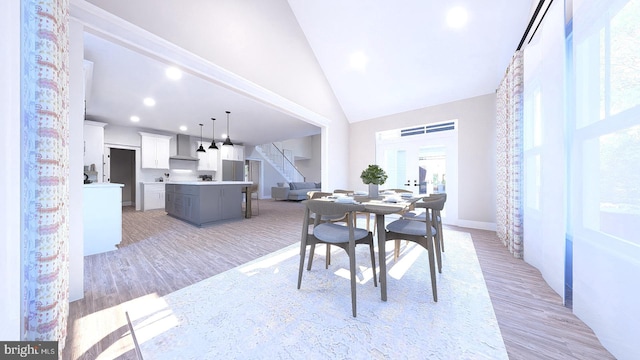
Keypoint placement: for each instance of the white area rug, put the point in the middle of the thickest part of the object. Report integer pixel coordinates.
(255, 311)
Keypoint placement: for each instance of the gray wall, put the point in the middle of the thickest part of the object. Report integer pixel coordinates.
(476, 151)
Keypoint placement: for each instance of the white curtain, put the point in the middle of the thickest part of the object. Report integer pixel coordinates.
(604, 207)
(544, 149)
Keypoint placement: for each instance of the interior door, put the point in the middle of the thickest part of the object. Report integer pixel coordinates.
(424, 164)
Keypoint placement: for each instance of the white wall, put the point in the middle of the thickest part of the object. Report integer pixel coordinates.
(301, 147)
(76, 161)
(476, 153)
(311, 165)
(10, 158)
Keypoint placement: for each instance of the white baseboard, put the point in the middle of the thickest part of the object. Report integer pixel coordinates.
(476, 225)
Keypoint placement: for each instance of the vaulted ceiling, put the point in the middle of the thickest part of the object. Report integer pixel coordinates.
(378, 58)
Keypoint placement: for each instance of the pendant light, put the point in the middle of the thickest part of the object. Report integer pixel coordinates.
(201, 149)
(213, 135)
(227, 141)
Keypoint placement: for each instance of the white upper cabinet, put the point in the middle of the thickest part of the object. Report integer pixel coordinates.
(94, 145)
(208, 161)
(155, 151)
(235, 152)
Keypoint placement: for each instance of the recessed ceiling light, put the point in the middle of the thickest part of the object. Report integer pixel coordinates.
(173, 73)
(358, 61)
(149, 101)
(457, 17)
(183, 128)
(134, 118)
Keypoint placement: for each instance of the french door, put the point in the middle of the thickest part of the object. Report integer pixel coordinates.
(424, 164)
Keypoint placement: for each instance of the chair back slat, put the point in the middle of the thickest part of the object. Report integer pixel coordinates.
(331, 208)
(432, 202)
(343, 191)
(317, 194)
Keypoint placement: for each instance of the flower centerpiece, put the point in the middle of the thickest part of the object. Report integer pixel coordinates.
(373, 176)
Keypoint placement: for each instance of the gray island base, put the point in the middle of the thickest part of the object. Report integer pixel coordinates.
(204, 202)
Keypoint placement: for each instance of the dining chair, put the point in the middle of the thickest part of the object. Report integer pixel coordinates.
(367, 215)
(422, 233)
(421, 215)
(312, 217)
(346, 236)
(411, 208)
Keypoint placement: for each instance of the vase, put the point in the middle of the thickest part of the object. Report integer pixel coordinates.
(373, 190)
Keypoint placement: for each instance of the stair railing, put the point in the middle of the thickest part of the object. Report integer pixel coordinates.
(289, 170)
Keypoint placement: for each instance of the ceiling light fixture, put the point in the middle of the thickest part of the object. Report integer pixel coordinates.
(149, 101)
(134, 118)
(457, 17)
(183, 128)
(227, 141)
(173, 73)
(213, 135)
(358, 61)
(201, 149)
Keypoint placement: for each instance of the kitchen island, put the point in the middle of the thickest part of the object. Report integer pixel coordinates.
(204, 202)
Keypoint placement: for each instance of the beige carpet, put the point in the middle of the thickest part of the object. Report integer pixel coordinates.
(255, 311)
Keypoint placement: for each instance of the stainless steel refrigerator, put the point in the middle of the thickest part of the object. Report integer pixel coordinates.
(232, 170)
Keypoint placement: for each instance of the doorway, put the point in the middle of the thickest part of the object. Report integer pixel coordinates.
(423, 160)
(123, 171)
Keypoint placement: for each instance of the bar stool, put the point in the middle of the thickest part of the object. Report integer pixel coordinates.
(248, 192)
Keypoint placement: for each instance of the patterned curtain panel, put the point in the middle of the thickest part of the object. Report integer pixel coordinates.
(45, 171)
(509, 156)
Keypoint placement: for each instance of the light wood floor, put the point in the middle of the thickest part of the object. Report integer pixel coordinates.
(159, 255)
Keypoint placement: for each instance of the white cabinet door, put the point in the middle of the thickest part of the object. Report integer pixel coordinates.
(94, 146)
(208, 161)
(203, 160)
(239, 152)
(155, 151)
(148, 156)
(235, 152)
(226, 152)
(213, 159)
(162, 152)
(153, 196)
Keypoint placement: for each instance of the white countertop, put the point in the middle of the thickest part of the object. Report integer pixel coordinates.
(103, 185)
(211, 182)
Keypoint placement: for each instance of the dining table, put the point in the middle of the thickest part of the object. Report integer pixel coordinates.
(382, 206)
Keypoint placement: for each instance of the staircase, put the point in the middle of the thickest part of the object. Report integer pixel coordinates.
(281, 160)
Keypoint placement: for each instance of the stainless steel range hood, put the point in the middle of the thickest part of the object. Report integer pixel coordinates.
(183, 146)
